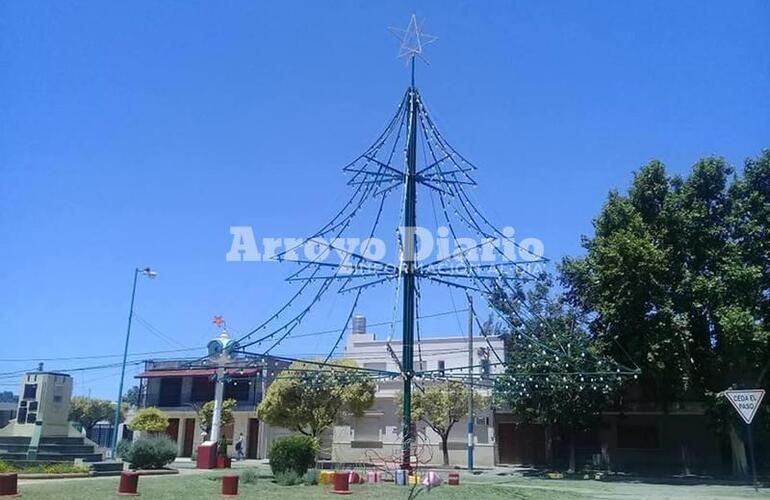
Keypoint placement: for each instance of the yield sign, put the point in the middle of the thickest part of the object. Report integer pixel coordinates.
(745, 402)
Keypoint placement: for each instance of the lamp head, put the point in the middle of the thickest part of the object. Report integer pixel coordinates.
(149, 273)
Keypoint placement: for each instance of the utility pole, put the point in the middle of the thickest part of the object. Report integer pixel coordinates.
(219, 392)
(408, 265)
(470, 383)
(262, 444)
(116, 423)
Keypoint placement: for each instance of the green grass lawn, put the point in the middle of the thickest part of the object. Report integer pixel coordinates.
(194, 485)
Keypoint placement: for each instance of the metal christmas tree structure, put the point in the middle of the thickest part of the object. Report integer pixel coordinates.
(374, 175)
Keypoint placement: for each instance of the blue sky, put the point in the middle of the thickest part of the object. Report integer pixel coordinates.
(138, 133)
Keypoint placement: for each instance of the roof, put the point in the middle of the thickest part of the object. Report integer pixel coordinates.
(56, 374)
(199, 372)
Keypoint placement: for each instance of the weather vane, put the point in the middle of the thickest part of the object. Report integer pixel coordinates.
(219, 321)
(413, 40)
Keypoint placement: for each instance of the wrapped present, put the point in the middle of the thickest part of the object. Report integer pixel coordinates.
(431, 479)
(454, 478)
(401, 477)
(355, 478)
(414, 479)
(326, 477)
(374, 476)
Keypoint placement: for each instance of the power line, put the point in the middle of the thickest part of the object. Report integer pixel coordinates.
(156, 331)
(99, 356)
(382, 323)
(188, 349)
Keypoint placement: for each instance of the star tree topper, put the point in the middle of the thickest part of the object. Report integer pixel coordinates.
(412, 40)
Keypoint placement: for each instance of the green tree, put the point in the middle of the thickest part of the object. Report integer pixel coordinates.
(88, 411)
(206, 414)
(8, 397)
(441, 405)
(557, 374)
(151, 420)
(131, 397)
(677, 274)
(310, 398)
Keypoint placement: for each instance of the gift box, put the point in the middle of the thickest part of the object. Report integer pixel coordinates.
(431, 479)
(326, 477)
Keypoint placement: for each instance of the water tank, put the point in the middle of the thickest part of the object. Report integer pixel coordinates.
(359, 324)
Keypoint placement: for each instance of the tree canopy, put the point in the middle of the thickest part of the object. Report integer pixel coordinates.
(8, 397)
(678, 275)
(556, 371)
(132, 396)
(206, 414)
(150, 420)
(309, 398)
(88, 411)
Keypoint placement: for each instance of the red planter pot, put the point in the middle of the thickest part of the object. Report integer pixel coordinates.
(230, 486)
(341, 483)
(129, 483)
(8, 485)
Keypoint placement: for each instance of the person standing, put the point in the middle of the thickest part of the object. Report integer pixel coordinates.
(239, 447)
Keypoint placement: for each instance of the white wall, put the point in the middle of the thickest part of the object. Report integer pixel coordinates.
(376, 435)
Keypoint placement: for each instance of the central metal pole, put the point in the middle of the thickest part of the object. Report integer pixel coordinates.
(410, 221)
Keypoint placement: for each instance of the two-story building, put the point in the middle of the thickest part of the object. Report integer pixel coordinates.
(377, 435)
(180, 389)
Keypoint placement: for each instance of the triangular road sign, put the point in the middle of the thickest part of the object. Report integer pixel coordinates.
(746, 402)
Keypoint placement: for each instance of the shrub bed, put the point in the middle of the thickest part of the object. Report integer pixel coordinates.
(52, 468)
(150, 453)
(292, 453)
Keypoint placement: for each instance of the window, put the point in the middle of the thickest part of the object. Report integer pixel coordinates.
(202, 389)
(33, 406)
(31, 418)
(238, 390)
(441, 367)
(170, 391)
(30, 391)
(638, 436)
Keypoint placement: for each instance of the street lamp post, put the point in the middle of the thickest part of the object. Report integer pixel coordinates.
(150, 274)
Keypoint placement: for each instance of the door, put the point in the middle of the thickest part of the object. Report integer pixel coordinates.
(173, 428)
(253, 440)
(189, 436)
(520, 443)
